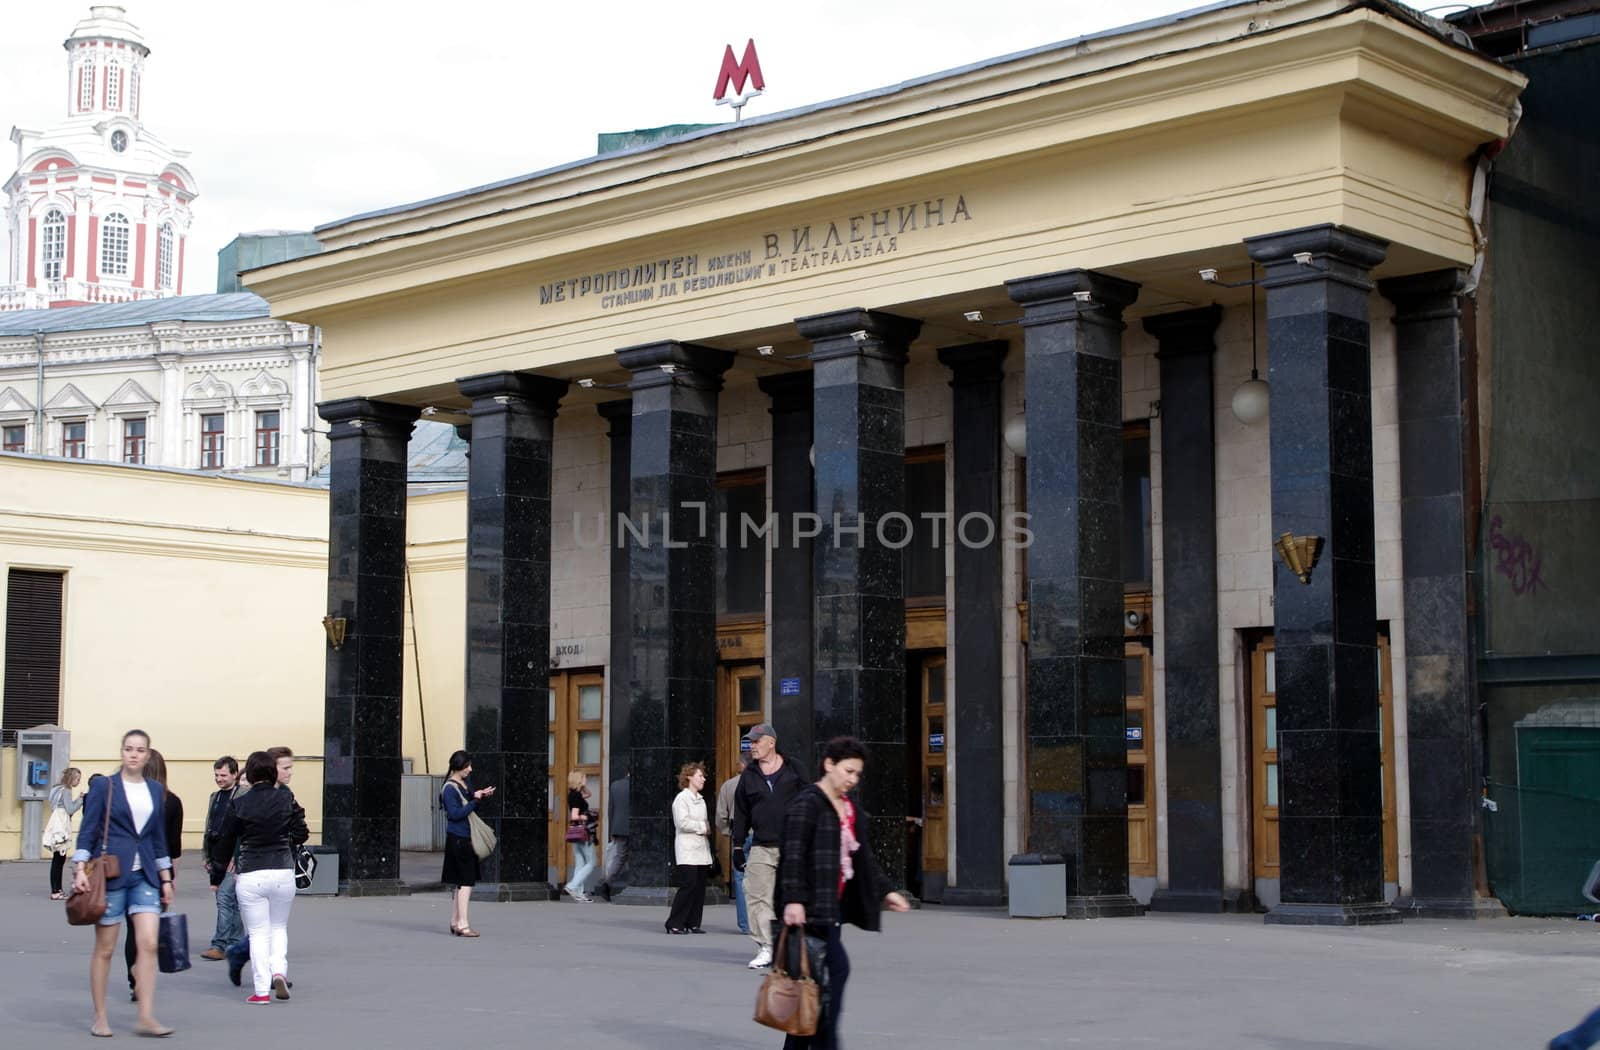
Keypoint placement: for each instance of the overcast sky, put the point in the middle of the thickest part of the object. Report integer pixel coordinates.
(300, 112)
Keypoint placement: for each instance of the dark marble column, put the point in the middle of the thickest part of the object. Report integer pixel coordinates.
(1330, 827)
(508, 622)
(366, 585)
(1441, 692)
(1076, 759)
(618, 743)
(789, 668)
(859, 432)
(977, 717)
(1189, 611)
(672, 592)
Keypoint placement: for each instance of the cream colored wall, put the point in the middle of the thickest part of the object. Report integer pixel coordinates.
(191, 609)
(435, 629)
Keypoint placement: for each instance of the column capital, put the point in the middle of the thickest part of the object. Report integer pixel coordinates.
(619, 414)
(669, 362)
(350, 416)
(494, 391)
(973, 364)
(789, 391)
(886, 336)
(1429, 296)
(1185, 332)
(1071, 295)
(1336, 254)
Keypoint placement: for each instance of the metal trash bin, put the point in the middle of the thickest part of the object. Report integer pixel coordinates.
(1038, 888)
(325, 883)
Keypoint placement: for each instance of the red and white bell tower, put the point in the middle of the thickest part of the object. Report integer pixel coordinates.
(98, 207)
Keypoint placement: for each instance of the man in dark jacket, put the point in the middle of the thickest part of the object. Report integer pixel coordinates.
(225, 771)
(763, 792)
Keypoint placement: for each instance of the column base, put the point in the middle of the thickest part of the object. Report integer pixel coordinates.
(514, 891)
(1375, 914)
(972, 897)
(662, 895)
(374, 888)
(1202, 902)
(1107, 906)
(1451, 907)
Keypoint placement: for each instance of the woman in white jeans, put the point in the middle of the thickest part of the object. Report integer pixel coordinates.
(265, 824)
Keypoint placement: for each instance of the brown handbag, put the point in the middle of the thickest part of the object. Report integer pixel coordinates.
(789, 1004)
(89, 907)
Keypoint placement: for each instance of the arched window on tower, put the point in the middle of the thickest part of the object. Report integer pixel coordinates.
(114, 87)
(164, 256)
(86, 85)
(114, 245)
(53, 243)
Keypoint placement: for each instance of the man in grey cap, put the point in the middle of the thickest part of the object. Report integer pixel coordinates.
(759, 800)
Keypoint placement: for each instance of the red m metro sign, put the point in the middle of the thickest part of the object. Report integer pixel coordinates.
(737, 75)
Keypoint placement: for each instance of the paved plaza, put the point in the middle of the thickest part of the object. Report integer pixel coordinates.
(386, 973)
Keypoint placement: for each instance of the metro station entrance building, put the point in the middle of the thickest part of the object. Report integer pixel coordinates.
(909, 416)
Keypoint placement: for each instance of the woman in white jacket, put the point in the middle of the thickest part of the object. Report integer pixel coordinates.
(692, 849)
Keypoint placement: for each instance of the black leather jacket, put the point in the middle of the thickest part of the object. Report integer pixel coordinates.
(263, 822)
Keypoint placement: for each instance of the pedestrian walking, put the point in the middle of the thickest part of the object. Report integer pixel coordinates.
(616, 836)
(580, 818)
(283, 765)
(725, 827)
(762, 796)
(264, 823)
(57, 838)
(155, 770)
(229, 929)
(124, 815)
(692, 848)
(460, 800)
(827, 876)
(1580, 1038)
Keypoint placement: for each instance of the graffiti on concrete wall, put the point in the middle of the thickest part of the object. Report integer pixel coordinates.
(1515, 558)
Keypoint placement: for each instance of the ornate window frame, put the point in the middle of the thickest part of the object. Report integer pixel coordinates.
(109, 249)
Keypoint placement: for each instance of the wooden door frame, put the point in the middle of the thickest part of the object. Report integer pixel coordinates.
(929, 663)
(563, 732)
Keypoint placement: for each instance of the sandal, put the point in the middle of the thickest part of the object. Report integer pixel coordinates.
(101, 1033)
(58, 896)
(467, 931)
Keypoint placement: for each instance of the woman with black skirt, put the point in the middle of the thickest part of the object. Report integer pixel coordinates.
(827, 876)
(460, 862)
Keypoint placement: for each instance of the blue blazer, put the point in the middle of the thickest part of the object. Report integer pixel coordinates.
(126, 843)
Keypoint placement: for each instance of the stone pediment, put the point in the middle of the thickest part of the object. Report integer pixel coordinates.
(69, 399)
(130, 395)
(264, 385)
(208, 389)
(12, 402)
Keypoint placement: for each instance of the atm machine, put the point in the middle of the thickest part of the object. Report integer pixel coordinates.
(42, 755)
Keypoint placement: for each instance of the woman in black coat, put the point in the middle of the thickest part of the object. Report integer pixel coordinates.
(827, 875)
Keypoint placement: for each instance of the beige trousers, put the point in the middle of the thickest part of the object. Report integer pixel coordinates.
(760, 886)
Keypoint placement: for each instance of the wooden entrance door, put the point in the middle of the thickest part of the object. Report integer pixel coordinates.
(1264, 750)
(935, 810)
(576, 741)
(741, 703)
(1137, 689)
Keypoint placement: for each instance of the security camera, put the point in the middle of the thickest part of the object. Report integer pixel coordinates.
(1209, 274)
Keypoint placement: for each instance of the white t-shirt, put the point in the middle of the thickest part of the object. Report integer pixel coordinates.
(142, 806)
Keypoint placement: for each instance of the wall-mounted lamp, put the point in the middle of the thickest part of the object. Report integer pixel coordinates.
(335, 626)
(859, 335)
(1299, 553)
(1253, 398)
(1015, 434)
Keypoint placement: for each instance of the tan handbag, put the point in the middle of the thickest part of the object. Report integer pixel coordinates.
(89, 907)
(789, 1004)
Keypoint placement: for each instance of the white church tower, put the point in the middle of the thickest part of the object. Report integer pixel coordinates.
(98, 207)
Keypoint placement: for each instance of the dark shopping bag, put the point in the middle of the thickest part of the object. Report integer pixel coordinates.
(172, 946)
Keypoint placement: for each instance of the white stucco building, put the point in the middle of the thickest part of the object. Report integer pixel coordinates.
(206, 382)
(97, 205)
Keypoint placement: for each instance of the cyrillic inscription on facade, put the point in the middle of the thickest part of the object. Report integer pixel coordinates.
(838, 241)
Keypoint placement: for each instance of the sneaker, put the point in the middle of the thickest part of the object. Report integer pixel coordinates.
(762, 960)
(280, 987)
(583, 898)
(259, 1000)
